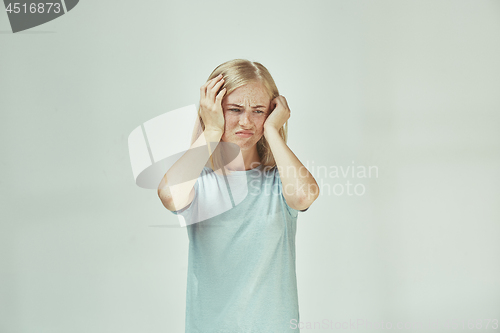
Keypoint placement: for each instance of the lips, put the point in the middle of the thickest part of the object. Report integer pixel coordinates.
(244, 134)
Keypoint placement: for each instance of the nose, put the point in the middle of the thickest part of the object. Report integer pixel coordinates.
(244, 120)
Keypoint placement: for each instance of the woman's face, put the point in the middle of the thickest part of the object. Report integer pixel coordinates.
(245, 111)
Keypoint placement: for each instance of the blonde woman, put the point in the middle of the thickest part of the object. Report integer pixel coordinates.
(239, 189)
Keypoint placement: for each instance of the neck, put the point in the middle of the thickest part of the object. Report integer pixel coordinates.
(247, 159)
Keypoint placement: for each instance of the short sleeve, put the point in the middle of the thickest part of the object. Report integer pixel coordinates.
(293, 212)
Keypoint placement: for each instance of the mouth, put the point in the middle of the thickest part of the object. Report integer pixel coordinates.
(244, 134)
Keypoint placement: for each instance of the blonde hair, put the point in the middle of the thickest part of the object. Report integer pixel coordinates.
(237, 73)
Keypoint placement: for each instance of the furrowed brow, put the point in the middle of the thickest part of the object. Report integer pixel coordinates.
(240, 106)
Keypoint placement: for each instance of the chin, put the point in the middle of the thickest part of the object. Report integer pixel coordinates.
(245, 145)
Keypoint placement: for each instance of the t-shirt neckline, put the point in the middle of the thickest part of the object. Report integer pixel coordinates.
(241, 172)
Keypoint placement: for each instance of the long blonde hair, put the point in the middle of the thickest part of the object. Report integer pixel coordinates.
(237, 73)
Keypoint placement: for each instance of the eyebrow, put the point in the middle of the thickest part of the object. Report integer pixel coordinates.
(253, 107)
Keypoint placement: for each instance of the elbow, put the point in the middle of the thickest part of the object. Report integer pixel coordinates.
(162, 186)
(165, 197)
(306, 199)
(161, 194)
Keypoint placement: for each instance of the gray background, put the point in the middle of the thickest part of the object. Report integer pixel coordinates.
(411, 87)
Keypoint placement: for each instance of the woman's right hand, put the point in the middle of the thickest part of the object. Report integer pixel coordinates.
(211, 105)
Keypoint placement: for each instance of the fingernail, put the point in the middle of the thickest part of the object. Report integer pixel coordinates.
(219, 75)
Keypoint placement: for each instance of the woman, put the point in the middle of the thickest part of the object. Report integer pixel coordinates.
(240, 206)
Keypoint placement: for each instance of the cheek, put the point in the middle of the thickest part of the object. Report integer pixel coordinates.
(229, 121)
(260, 122)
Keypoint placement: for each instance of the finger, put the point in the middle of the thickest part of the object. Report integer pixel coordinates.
(212, 93)
(204, 87)
(275, 103)
(213, 81)
(283, 99)
(220, 96)
(283, 102)
(203, 90)
(273, 106)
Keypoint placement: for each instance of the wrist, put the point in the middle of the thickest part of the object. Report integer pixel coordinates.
(212, 135)
(270, 129)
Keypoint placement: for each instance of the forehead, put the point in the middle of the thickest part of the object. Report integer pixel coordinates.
(252, 93)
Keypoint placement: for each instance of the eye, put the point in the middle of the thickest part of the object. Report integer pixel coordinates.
(259, 111)
(234, 110)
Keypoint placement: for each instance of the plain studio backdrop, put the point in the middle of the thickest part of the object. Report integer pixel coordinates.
(410, 88)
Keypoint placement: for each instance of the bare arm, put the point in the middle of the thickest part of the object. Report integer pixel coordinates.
(176, 189)
(299, 186)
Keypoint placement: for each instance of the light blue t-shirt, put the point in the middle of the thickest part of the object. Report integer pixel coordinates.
(241, 263)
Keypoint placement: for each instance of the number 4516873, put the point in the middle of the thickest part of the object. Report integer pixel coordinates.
(33, 8)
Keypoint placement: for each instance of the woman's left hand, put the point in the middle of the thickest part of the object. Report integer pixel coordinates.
(279, 115)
